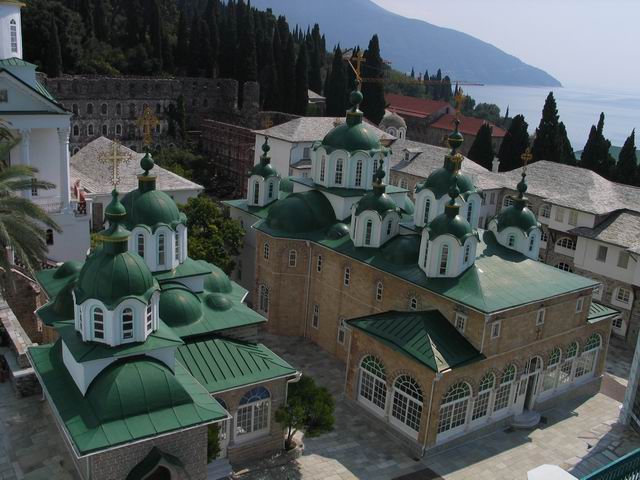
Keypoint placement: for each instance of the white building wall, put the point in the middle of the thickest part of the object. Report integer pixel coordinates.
(280, 153)
(9, 12)
(74, 241)
(586, 259)
(584, 219)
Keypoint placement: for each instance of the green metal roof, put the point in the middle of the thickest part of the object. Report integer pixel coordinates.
(301, 212)
(378, 201)
(342, 192)
(54, 279)
(426, 337)
(450, 223)
(15, 62)
(188, 268)
(157, 401)
(7, 64)
(222, 364)
(352, 136)
(599, 312)
(151, 208)
(440, 181)
(82, 351)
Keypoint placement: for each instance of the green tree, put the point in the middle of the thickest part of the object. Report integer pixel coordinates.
(247, 58)
(156, 34)
(595, 155)
(336, 91)
(302, 83)
(373, 104)
(101, 20)
(213, 236)
(211, 18)
(627, 167)
(213, 442)
(514, 144)
(551, 142)
(481, 150)
(289, 77)
(54, 58)
(308, 407)
(182, 44)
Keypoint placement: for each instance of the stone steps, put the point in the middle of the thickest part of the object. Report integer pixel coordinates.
(526, 420)
(219, 469)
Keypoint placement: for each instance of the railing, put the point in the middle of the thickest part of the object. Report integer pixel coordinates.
(54, 205)
(625, 468)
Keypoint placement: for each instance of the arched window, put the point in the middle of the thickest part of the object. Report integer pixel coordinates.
(104, 109)
(76, 130)
(587, 361)
(118, 129)
(323, 166)
(319, 264)
(358, 180)
(427, 207)
(346, 279)
(263, 300)
(532, 242)
(413, 303)
(407, 403)
(148, 318)
(177, 245)
(564, 375)
(161, 249)
(593, 342)
(338, 175)
(98, 323)
(503, 392)
(75, 150)
(118, 109)
(253, 413)
(566, 242)
(89, 108)
(140, 244)
(467, 253)
(551, 373)
(511, 241)
(293, 258)
(105, 130)
(469, 212)
(265, 251)
(256, 192)
(127, 324)
(90, 129)
(367, 232)
(13, 29)
(373, 384)
(389, 225)
(49, 236)
(453, 409)
(271, 186)
(481, 405)
(545, 211)
(379, 290)
(564, 266)
(444, 259)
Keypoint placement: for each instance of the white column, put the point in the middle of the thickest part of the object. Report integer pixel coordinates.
(25, 159)
(65, 193)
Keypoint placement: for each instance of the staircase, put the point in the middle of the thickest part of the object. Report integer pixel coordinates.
(526, 420)
(219, 469)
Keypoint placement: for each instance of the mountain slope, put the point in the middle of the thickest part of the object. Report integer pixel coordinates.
(410, 43)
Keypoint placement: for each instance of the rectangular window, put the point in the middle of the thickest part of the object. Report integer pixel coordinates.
(338, 175)
(306, 152)
(579, 305)
(319, 264)
(149, 318)
(508, 201)
(623, 259)
(573, 217)
(461, 322)
(495, 329)
(601, 256)
(347, 276)
(14, 36)
(177, 246)
(545, 211)
(293, 258)
(161, 249)
(623, 295)
(559, 214)
(492, 198)
(617, 323)
(342, 332)
(315, 318)
(379, 288)
(540, 317)
(127, 326)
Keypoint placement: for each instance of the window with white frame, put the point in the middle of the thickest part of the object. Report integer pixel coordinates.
(338, 175)
(379, 290)
(319, 264)
(495, 329)
(177, 245)
(253, 413)
(579, 304)
(532, 242)
(586, 362)
(413, 303)
(559, 214)
(544, 236)
(453, 409)
(265, 250)
(161, 249)
(148, 321)
(444, 259)
(271, 188)
(597, 291)
(601, 255)
(315, 317)
(293, 258)
(127, 324)
(617, 323)
(566, 242)
(540, 317)
(623, 295)
(469, 212)
(460, 322)
(573, 218)
(481, 405)
(342, 331)
(346, 278)
(323, 165)
(427, 207)
(503, 392)
(367, 232)
(623, 259)
(545, 211)
(407, 402)
(467, 253)
(263, 299)
(508, 201)
(13, 32)
(98, 323)
(373, 384)
(564, 266)
(403, 183)
(564, 374)
(550, 375)
(256, 192)
(358, 179)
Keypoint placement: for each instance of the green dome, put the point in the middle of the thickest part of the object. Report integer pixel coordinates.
(67, 269)
(134, 387)
(217, 281)
(408, 207)
(337, 231)
(301, 213)
(265, 170)
(286, 185)
(218, 301)
(378, 201)
(448, 224)
(517, 216)
(112, 277)
(179, 306)
(63, 303)
(151, 208)
(441, 179)
(402, 250)
(351, 138)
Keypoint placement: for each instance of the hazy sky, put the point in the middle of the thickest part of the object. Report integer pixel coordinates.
(583, 43)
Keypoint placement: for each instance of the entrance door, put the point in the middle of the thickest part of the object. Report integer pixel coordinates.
(223, 437)
(530, 396)
(160, 473)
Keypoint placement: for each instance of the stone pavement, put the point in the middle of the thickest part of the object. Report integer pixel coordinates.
(579, 437)
(619, 358)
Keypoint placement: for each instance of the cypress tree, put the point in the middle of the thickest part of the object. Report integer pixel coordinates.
(301, 97)
(446, 89)
(565, 150)
(315, 68)
(514, 144)
(551, 142)
(156, 34)
(288, 79)
(373, 105)
(277, 102)
(101, 21)
(481, 150)
(228, 44)
(413, 73)
(167, 54)
(214, 39)
(54, 54)
(182, 44)
(595, 155)
(248, 61)
(627, 166)
(270, 98)
(427, 86)
(336, 91)
(86, 12)
(200, 61)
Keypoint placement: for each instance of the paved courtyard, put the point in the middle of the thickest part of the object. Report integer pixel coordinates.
(579, 437)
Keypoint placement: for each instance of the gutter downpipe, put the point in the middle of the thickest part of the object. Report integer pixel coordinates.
(346, 373)
(484, 331)
(306, 299)
(437, 378)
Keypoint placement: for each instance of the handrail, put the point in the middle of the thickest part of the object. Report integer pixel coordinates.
(624, 468)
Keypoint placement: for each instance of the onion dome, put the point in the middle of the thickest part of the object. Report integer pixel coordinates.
(301, 212)
(354, 134)
(112, 273)
(392, 120)
(264, 168)
(450, 222)
(377, 200)
(337, 231)
(286, 185)
(179, 306)
(68, 269)
(402, 250)
(518, 214)
(217, 281)
(148, 206)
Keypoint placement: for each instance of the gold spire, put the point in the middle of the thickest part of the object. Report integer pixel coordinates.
(459, 99)
(357, 70)
(526, 157)
(115, 156)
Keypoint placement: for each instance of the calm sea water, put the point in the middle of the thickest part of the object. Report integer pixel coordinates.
(578, 108)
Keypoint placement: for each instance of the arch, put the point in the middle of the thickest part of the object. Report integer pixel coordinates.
(586, 363)
(140, 244)
(118, 129)
(89, 108)
(406, 409)
(593, 342)
(566, 242)
(263, 299)
(534, 364)
(265, 250)
(90, 129)
(104, 109)
(485, 388)
(453, 408)
(97, 320)
(105, 130)
(127, 323)
(337, 179)
(252, 417)
(566, 368)
(256, 192)
(368, 229)
(323, 166)
(148, 318)
(444, 259)
(13, 29)
(293, 258)
(346, 279)
(162, 249)
(76, 130)
(503, 392)
(372, 389)
(379, 291)
(358, 177)
(550, 376)
(49, 236)
(413, 303)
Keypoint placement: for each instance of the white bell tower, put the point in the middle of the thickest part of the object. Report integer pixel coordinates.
(10, 29)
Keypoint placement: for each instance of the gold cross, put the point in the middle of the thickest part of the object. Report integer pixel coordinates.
(115, 156)
(268, 123)
(358, 68)
(526, 158)
(459, 99)
(147, 122)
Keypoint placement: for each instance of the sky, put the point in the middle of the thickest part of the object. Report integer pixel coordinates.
(583, 43)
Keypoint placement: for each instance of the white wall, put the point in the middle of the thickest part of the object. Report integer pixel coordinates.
(584, 219)
(9, 12)
(73, 243)
(280, 153)
(585, 258)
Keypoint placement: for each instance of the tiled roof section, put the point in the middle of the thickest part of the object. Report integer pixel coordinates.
(312, 129)
(427, 337)
(468, 125)
(424, 159)
(621, 228)
(599, 312)
(221, 364)
(90, 166)
(414, 107)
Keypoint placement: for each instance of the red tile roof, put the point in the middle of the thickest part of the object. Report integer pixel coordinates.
(468, 125)
(414, 107)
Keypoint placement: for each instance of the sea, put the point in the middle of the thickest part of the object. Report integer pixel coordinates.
(579, 108)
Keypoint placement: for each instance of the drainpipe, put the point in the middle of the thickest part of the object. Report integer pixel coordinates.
(306, 299)
(346, 373)
(426, 433)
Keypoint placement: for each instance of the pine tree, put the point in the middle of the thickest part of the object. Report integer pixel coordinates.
(302, 83)
(54, 57)
(101, 21)
(336, 91)
(514, 144)
(551, 142)
(373, 105)
(627, 166)
(182, 44)
(289, 77)
(481, 150)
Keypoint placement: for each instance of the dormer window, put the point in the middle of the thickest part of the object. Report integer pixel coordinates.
(256, 192)
(467, 253)
(407, 155)
(323, 166)
(177, 246)
(127, 324)
(13, 28)
(98, 324)
(511, 242)
(444, 259)
(338, 175)
(271, 190)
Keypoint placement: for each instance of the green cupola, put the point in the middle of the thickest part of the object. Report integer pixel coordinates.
(264, 180)
(451, 222)
(517, 214)
(264, 168)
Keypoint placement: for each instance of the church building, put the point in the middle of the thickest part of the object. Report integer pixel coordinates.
(445, 329)
(153, 348)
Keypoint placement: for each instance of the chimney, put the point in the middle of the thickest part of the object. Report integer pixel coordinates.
(495, 165)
